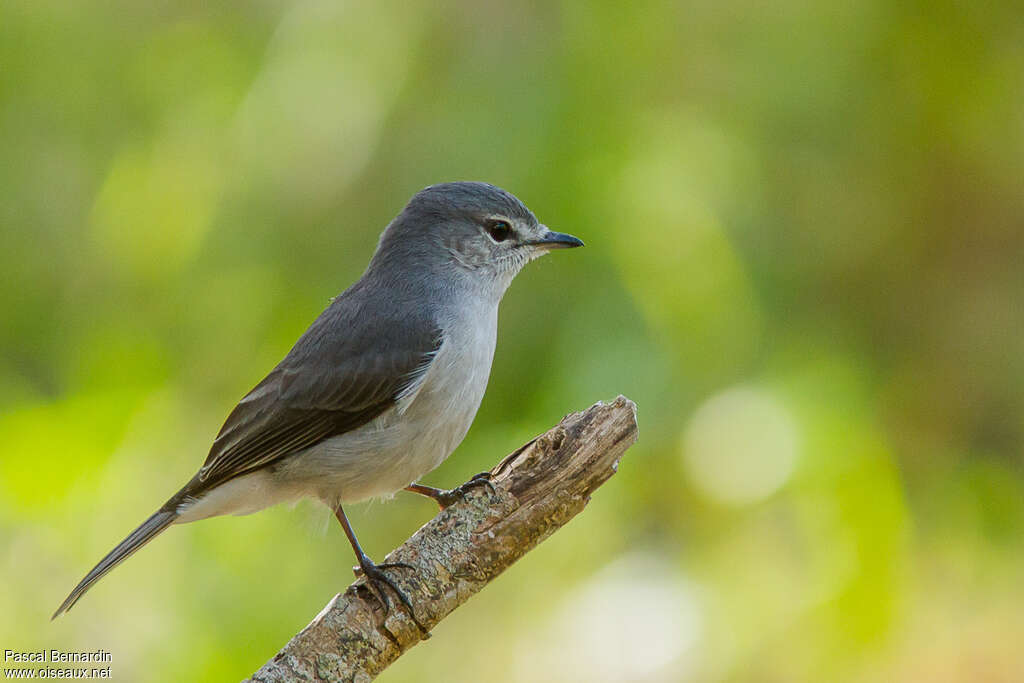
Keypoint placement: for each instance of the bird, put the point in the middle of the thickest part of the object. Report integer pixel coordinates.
(382, 386)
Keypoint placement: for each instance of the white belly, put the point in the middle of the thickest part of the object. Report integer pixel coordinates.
(408, 440)
(385, 455)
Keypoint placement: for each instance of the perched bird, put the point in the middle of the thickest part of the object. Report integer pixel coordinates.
(382, 386)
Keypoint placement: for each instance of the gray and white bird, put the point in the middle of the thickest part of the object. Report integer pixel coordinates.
(382, 386)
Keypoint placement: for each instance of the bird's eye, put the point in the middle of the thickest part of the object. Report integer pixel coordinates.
(499, 230)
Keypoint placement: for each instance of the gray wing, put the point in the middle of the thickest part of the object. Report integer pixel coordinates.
(345, 370)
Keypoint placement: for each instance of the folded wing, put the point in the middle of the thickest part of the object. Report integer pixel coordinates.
(343, 372)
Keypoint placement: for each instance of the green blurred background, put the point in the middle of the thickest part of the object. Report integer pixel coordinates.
(804, 263)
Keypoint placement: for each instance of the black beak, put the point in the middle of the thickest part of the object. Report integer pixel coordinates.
(558, 240)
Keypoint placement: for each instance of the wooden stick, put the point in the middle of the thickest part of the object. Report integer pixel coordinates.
(537, 489)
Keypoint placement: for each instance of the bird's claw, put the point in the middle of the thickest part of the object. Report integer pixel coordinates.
(375, 577)
(358, 571)
(446, 498)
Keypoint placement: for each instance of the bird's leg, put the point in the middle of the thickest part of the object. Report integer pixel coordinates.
(444, 498)
(375, 576)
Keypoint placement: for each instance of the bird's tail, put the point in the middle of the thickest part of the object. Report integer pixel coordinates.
(146, 531)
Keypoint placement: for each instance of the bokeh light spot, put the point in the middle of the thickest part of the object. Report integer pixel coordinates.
(740, 446)
(633, 621)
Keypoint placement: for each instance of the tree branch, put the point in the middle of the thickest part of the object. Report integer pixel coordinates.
(537, 489)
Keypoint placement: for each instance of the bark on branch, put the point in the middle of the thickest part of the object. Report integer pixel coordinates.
(537, 489)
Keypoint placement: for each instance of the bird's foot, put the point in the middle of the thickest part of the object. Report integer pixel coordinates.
(450, 496)
(376, 579)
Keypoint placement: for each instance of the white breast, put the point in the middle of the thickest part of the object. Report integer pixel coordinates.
(430, 419)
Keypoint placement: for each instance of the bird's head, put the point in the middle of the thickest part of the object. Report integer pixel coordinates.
(471, 231)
